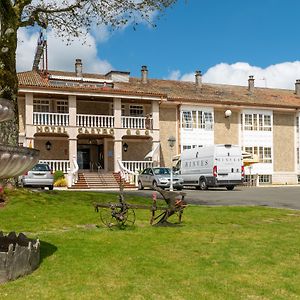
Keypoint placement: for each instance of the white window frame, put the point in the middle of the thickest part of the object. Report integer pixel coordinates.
(136, 110)
(256, 122)
(62, 106)
(41, 105)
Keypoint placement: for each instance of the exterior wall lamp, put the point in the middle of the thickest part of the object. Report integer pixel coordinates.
(125, 147)
(48, 146)
(228, 113)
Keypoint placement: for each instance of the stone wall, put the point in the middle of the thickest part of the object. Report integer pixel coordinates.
(226, 130)
(284, 142)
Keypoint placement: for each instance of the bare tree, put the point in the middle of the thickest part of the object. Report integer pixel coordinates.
(69, 18)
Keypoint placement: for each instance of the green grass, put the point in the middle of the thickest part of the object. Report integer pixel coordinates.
(217, 253)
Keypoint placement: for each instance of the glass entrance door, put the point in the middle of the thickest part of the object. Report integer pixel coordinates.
(84, 158)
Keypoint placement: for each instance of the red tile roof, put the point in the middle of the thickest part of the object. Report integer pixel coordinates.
(176, 91)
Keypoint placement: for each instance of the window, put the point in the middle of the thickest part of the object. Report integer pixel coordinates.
(264, 153)
(41, 105)
(136, 110)
(186, 119)
(197, 119)
(62, 106)
(265, 179)
(256, 122)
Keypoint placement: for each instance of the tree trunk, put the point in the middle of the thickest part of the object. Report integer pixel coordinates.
(9, 130)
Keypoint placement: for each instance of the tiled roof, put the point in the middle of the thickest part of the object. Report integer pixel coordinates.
(180, 91)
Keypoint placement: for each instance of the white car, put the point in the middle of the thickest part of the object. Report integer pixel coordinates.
(39, 176)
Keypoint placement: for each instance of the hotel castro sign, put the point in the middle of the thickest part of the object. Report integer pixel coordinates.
(87, 130)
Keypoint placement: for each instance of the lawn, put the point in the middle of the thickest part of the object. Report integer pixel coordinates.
(217, 253)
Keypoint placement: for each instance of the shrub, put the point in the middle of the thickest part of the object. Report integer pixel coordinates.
(60, 182)
(58, 175)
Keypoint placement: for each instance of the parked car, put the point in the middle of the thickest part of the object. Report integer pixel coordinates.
(39, 176)
(158, 177)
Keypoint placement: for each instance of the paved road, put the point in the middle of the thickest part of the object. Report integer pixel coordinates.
(280, 197)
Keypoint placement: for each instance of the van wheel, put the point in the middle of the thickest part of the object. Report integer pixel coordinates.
(154, 185)
(140, 185)
(229, 187)
(203, 185)
(50, 187)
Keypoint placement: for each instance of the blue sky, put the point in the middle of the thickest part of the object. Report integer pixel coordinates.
(235, 38)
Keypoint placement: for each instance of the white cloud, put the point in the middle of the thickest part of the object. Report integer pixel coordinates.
(281, 75)
(61, 56)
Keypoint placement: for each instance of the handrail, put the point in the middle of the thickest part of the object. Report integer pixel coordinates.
(73, 174)
(125, 173)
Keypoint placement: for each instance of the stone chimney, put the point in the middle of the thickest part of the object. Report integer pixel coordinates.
(144, 74)
(78, 67)
(297, 87)
(251, 83)
(198, 79)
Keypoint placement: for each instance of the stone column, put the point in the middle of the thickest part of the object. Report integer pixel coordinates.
(117, 112)
(28, 109)
(117, 152)
(72, 151)
(156, 156)
(155, 114)
(72, 110)
(29, 142)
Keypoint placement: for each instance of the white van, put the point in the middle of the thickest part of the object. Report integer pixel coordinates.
(212, 166)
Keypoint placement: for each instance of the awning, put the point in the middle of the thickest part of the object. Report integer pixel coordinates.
(251, 160)
(152, 153)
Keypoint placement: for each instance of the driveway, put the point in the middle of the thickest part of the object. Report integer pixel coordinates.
(279, 196)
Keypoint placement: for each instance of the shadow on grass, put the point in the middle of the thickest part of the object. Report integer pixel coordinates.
(46, 250)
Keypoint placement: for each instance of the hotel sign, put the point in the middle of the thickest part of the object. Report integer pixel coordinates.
(51, 129)
(95, 131)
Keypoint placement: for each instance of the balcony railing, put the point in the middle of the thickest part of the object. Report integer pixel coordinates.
(95, 121)
(107, 121)
(53, 119)
(136, 166)
(136, 122)
(55, 165)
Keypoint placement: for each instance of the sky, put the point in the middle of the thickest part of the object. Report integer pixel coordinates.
(227, 40)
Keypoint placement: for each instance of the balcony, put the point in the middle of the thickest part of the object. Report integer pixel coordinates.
(96, 121)
(50, 119)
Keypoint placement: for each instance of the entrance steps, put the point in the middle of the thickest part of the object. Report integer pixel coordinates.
(94, 180)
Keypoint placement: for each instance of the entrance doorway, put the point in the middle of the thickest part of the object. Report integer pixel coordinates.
(90, 157)
(84, 158)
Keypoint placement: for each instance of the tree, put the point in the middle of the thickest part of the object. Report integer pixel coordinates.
(69, 18)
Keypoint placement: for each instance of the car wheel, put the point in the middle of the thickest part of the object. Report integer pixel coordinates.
(154, 185)
(179, 188)
(140, 185)
(203, 185)
(42, 187)
(229, 187)
(50, 187)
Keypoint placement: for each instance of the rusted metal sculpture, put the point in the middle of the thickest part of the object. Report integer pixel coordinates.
(122, 213)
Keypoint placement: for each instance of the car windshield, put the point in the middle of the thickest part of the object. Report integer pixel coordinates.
(161, 171)
(41, 167)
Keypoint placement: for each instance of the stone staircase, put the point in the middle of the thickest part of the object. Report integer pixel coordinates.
(94, 180)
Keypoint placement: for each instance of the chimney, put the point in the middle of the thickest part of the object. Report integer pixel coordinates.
(297, 87)
(144, 74)
(251, 83)
(198, 79)
(78, 67)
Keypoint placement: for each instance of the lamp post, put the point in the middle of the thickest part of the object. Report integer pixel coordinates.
(171, 141)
